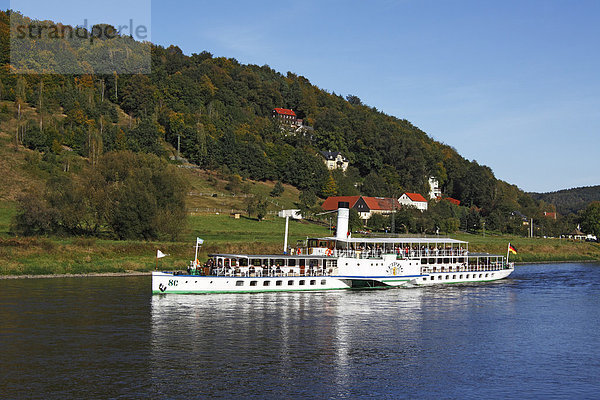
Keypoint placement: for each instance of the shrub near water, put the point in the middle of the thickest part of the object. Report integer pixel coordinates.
(134, 196)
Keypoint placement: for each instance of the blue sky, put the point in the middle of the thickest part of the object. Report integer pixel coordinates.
(511, 84)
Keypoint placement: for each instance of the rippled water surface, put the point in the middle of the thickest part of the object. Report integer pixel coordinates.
(535, 335)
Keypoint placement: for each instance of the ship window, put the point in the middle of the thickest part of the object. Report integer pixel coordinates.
(432, 261)
(439, 278)
(492, 274)
(239, 283)
(323, 282)
(423, 261)
(290, 282)
(486, 275)
(446, 261)
(313, 282)
(467, 276)
(266, 283)
(461, 276)
(292, 262)
(302, 282)
(480, 275)
(253, 283)
(432, 278)
(453, 276)
(447, 277)
(278, 283)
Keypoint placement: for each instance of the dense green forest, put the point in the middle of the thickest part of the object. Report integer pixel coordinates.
(221, 112)
(570, 201)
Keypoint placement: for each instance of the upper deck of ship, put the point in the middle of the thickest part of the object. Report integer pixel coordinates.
(397, 240)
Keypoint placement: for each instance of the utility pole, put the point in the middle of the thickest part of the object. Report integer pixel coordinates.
(18, 125)
(393, 214)
(531, 227)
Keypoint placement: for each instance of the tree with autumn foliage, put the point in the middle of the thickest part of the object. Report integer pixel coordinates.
(329, 188)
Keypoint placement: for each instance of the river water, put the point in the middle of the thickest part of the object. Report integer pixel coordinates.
(534, 335)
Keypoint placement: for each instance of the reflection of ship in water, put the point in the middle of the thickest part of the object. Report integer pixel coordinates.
(271, 336)
(339, 262)
(266, 335)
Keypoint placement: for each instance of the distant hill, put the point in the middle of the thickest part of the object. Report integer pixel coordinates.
(569, 201)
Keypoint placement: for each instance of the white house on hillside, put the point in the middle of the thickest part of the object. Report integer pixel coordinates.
(434, 188)
(413, 200)
(334, 160)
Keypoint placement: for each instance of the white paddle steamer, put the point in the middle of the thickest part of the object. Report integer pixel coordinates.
(339, 262)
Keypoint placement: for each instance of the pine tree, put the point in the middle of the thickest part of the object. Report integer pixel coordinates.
(330, 188)
(277, 190)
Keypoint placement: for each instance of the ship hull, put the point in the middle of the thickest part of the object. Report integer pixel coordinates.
(168, 282)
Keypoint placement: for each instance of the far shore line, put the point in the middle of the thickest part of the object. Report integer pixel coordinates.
(555, 262)
(30, 276)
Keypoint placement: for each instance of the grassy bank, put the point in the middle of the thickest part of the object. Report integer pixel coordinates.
(534, 249)
(41, 256)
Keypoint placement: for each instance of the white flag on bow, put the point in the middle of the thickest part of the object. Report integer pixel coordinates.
(199, 241)
(160, 254)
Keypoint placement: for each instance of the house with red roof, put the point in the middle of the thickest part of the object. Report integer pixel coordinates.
(450, 199)
(285, 116)
(365, 206)
(415, 200)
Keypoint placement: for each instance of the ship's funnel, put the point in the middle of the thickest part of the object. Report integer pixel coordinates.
(342, 220)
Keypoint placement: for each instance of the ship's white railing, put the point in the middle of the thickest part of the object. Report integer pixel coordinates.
(464, 268)
(264, 271)
(399, 254)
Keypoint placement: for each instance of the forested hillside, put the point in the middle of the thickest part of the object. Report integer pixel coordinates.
(570, 200)
(221, 111)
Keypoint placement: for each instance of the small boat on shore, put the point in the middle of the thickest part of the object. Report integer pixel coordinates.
(340, 262)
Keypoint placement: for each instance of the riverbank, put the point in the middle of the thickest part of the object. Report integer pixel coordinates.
(115, 274)
(50, 257)
(534, 250)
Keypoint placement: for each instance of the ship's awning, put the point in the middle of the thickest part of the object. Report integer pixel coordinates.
(484, 255)
(271, 256)
(398, 240)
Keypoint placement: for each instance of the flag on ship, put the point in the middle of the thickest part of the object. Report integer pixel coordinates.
(512, 248)
(160, 254)
(199, 241)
